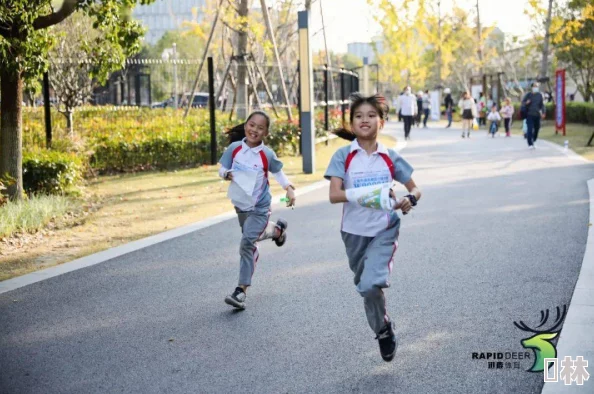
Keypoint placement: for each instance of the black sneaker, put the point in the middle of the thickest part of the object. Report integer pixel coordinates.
(237, 299)
(387, 342)
(281, 225)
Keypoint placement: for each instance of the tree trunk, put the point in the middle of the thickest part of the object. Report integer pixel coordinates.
(277, 58)
(242, 93)
(69, 123)
(480, 48)
(11, 131)
(545, 48)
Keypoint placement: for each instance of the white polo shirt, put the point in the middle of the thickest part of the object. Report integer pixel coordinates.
(365, 170)
(240, 157)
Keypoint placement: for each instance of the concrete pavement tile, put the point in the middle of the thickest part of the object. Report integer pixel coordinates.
(583, 296)
(586, 278)
(581, 314)
(577, 340)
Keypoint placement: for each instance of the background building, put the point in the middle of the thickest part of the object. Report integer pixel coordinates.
(366, 49)
(165, 15)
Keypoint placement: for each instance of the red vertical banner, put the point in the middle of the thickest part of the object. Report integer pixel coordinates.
(560, 101)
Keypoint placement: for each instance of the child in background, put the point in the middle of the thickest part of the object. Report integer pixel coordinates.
(370, 224)
(507, 112)
(494, 118)
(251, 159)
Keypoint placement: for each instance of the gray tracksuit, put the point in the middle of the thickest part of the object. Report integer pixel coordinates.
(254, 220)
(370, 236)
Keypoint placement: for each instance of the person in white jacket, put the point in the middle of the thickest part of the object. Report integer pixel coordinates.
(468, 109)
(408, 108)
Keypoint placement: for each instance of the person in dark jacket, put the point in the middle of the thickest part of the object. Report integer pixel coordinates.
(534, 102)
(448, 102)
(419, 108)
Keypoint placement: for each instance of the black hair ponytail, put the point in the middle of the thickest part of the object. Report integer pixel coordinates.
(345, 134)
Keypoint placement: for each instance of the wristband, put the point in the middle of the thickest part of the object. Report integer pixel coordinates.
(413, 199)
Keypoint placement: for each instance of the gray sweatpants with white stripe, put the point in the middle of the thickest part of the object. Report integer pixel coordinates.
(254, 227)
(370, 259)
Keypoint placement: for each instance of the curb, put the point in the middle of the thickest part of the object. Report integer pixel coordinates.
(569, 153)
(103, 256)
(577, 334)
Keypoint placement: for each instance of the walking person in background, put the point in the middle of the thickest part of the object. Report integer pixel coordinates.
(408, 109)
(533, 103)
(507, 112)
(469, 112)
(482, 110)
(448, 102)
(399, 108)
(419, 108)
(426, 107)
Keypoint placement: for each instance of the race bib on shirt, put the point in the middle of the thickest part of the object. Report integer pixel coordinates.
(364, 179)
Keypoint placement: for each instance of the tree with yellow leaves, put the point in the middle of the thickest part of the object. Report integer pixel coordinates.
(574, 44)
(403, 31)
(425, 47)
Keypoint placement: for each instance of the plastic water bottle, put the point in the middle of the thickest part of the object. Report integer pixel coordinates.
(566, 145)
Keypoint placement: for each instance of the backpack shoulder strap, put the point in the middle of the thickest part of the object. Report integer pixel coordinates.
(264, 162)
(348, 160)
(389, 163)
(235, 152)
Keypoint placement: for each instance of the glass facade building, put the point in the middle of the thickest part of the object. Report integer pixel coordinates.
(164, 15)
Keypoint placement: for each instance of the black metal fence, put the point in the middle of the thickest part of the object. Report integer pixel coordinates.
(138, 102)
(332, 88)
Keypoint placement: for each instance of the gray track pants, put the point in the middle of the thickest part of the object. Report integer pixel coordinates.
(370, 259)
(254, 227)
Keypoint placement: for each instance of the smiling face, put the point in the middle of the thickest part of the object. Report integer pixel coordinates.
(367, 122)
(256, 128)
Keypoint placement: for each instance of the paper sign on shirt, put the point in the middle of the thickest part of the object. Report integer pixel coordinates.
(241, 189)
(364, 179)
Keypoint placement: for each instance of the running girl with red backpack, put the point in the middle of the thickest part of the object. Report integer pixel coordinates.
(246, 163)
(361, 177)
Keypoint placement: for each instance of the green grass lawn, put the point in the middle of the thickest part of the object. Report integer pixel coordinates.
(577, 135)
(128, 207)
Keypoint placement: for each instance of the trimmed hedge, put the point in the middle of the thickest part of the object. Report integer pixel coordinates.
(144, 139)
(51, 172)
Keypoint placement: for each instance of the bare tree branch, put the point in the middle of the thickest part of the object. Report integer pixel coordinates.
(230, 27)
(68, 7)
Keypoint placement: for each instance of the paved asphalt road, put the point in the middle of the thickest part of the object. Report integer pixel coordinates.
(498, 236)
